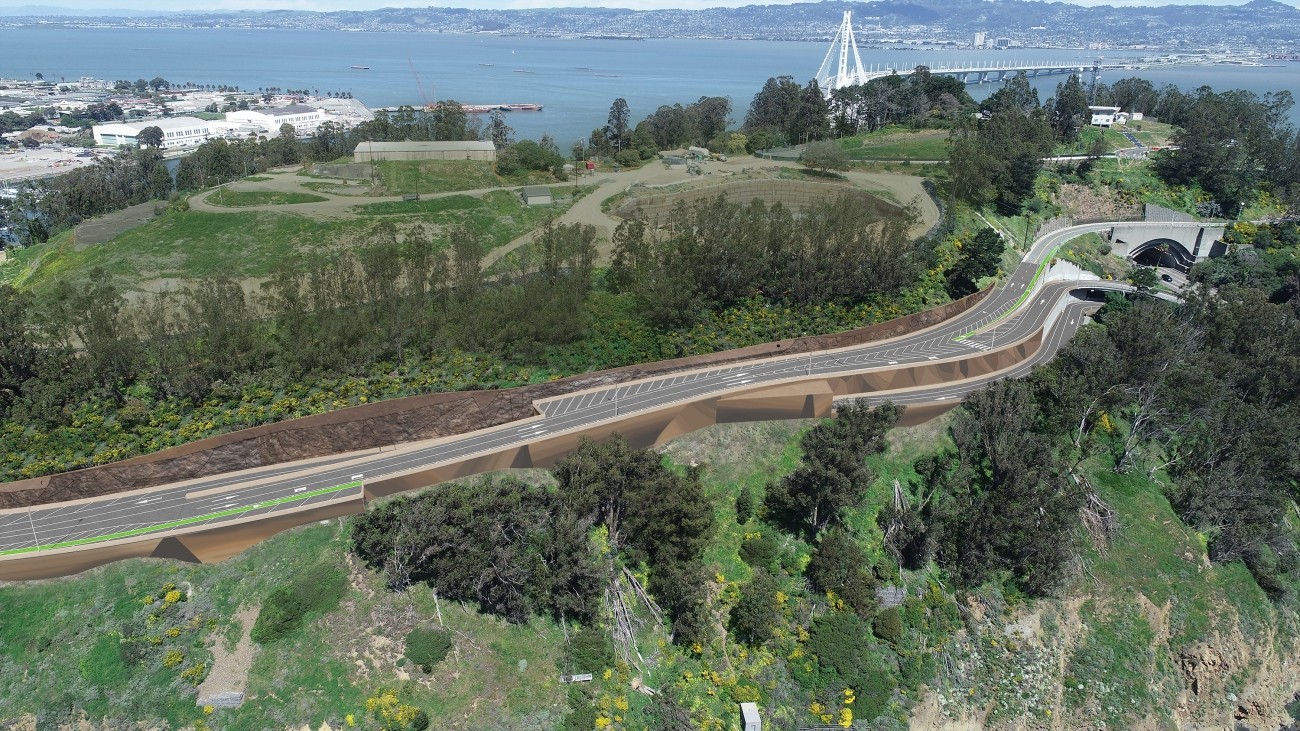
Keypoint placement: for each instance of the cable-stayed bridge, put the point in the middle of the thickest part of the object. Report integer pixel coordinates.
(843, 66)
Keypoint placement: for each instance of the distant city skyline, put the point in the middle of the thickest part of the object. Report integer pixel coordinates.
(9, 7)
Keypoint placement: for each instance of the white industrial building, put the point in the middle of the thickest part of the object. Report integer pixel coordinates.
(1107, 116)
(302, 117)
(177, 132)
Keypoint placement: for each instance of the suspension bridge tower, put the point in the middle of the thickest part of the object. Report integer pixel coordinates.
(842, 45)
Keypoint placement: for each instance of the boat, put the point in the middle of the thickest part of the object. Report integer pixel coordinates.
(489, 108)
(362, 68)
(609, 76)
(487, 64)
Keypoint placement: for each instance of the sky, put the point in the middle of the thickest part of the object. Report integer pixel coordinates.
(9, 6)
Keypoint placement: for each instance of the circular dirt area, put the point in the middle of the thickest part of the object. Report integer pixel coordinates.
(795, 195)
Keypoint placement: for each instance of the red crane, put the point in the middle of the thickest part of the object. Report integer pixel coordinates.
(418, 85)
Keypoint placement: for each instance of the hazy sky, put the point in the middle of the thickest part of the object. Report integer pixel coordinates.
(199, 5)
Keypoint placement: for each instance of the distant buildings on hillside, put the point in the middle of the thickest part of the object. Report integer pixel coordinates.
(188, 116)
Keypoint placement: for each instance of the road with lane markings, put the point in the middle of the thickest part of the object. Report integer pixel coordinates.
(1012, 313)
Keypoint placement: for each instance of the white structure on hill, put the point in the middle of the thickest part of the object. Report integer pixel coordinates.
(468, 150)
(1106, 116)
(304, 119)
(177, 132)
(844, 75)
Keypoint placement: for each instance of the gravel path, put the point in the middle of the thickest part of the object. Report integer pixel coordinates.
(230, 668)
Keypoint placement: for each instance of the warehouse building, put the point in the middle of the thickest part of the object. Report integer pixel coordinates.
(467, 150)
(177, 132)
(304, 119)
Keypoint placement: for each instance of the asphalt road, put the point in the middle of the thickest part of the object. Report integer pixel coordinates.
(1012, 313)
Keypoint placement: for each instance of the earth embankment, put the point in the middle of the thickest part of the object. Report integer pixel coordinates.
(403, 420)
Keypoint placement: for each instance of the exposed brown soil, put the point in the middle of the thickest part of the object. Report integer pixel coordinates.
(402, 420)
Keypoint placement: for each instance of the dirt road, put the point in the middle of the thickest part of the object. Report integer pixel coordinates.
(902, 189)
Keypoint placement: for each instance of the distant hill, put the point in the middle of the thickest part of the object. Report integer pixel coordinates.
(1259, 23)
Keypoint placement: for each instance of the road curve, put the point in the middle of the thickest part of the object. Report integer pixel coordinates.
(1027, 318)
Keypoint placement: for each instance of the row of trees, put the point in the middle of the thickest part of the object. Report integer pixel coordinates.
(715, 253)
(921, 98)
(669, 127)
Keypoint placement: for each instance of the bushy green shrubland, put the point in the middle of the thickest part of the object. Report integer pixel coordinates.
(313, 592)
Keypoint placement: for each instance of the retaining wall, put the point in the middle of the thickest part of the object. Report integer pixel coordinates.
(409, 419)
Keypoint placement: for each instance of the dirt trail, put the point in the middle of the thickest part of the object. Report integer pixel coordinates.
(903, 189)
(230, 667)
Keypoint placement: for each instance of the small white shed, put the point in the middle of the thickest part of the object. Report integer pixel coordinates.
(749, 720)
(537, 195)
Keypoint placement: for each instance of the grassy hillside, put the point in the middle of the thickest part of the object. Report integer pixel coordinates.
(1123, 644)
(898, 144)
(185, 244)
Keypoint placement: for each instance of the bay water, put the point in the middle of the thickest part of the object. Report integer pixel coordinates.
(575, 79)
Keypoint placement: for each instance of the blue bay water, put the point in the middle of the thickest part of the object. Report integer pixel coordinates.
(576, 79)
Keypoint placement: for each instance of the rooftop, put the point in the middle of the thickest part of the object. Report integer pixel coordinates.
(163, 124)
(442, 146)
(291, 109)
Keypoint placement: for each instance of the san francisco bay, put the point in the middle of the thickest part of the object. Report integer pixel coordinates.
(576, 79)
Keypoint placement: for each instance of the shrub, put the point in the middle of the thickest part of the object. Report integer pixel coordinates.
(316, 590)
(888, 625)
(628, 158)
(848, 659)
(755, 617)
(760, 551)
(744, 505)
(427, 646)
(590, 651)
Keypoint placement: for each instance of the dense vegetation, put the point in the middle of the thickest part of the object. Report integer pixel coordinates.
(90, 377)
(519, 550)
(313, 592)
(716, 254)
(1202, 396)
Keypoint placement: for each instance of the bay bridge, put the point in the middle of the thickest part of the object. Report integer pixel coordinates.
(843, 66)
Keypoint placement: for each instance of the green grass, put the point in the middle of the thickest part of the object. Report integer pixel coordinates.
(1156, 555)
(898, 144)
(1136, 182)
(1110, 673)
(441, 176)
(183, 245)
(1112, 140)
(1092, 253)
(189, 244)
(241, 198)
(428, 206)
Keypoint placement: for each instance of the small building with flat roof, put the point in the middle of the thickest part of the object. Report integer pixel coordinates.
(1106, 116)
(446, 150)
(749, 720)
(537, 195)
